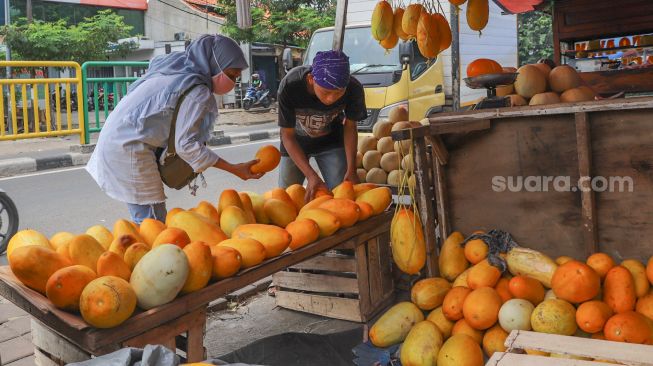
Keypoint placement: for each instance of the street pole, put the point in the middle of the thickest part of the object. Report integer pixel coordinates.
(341, 20)
(28, 10)
(8, 58)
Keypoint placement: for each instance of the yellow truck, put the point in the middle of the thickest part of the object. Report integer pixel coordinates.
(402, 76)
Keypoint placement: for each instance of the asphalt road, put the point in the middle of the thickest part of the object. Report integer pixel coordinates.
(70, 200)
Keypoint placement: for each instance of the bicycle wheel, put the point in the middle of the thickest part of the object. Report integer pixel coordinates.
(8, 220)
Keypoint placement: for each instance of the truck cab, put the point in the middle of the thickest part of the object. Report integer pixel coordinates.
(400, 76)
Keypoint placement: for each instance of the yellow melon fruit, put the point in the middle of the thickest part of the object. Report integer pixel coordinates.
(111, 264)
(273, 238)
(429, 293)
(452, 257)
(422, 345)
(382, 19)
(65, 286)
(345, 190)
(554, 316)
(200, 266)
(252, 252)
(393, 326)
(544, 98)
(197, 227)
(444, 325)
(325, 220)
(346, 210)
(134, 253)
(396, 24)
(460, 350)
(478, 12)
(34, 264)
(106, 302)
(563, 78)
(297, 193)
(410, 19)
(428, 37)
(208, 211)
(60, 238)
(530, 81)
(150, 229)
(101, 234)
(85, 250)
(407, 241)
(27, 237)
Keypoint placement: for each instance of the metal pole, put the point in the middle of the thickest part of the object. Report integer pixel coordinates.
(455, 56)
(28, 10)
(8, 69)
(341, 20)
(7, 22)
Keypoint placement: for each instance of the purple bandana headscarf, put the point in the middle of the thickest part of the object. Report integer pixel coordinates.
(331, 69)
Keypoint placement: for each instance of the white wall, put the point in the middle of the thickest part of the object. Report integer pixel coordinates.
(498, 41)
(163, 21)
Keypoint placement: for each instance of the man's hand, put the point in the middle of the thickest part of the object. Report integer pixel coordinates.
(352, 177)
(314, 184)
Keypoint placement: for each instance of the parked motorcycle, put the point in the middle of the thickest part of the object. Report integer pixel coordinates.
(254, 97)
(100, 100)
(62, 100)
(8, 220)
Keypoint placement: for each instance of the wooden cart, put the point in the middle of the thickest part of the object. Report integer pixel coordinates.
(475, 154)
(179, 324)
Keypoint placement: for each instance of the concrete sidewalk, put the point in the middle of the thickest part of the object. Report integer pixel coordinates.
(233, 126)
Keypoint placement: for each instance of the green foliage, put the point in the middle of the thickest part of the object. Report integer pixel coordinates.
(92, 39)
(281, 21)
(535, 37)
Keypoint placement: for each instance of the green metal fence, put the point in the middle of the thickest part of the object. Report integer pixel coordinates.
(102, 106)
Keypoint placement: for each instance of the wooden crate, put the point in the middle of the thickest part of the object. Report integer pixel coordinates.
(184, 335)
(608, 353)
(352, 287)
(607, 139)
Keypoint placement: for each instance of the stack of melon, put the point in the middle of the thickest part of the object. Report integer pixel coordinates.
(471, 309)
(415, 22)
(538, 84)
(105, 274)
(379, 159)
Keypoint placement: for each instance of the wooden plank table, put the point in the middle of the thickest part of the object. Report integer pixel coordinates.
(100, 341)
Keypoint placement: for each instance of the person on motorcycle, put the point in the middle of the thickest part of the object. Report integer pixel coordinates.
(257, 84)
(124, 162)
(319, 106)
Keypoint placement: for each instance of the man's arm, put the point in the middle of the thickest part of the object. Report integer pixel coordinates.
(351, 147)
(299, 157)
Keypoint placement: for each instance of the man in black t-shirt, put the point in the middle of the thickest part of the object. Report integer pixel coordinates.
(319, 106)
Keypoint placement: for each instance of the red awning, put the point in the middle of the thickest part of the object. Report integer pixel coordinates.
(518, 6)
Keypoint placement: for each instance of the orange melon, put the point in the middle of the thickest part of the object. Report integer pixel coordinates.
(65, 286)
(107, 302)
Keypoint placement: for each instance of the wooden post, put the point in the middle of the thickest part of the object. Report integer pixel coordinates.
(455, 56)
(341, 21)
(584, 148)
(441, 199)
(425, 204)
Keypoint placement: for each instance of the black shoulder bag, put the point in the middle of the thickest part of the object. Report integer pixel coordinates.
(175, 172)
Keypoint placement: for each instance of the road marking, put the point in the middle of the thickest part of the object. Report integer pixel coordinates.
(64, 170)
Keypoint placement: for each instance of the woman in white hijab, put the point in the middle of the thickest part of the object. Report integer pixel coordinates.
(124, 163)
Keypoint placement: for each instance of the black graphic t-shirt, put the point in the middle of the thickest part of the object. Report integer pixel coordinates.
(318, 127)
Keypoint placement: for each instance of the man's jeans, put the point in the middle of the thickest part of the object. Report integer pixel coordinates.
(332, 163)
(155, 211)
